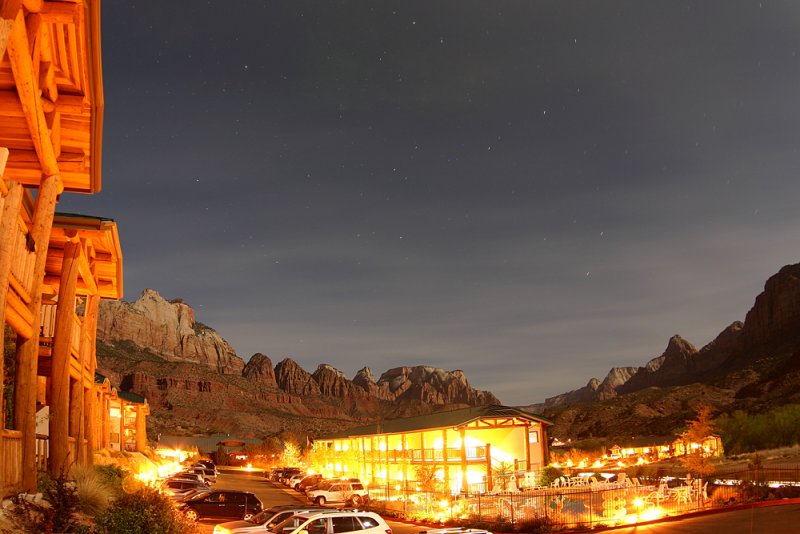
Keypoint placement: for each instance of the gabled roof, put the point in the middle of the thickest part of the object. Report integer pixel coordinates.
(449, 419)
(130, 396)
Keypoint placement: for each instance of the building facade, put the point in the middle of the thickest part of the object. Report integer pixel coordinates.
(472, 450)
(54, 268)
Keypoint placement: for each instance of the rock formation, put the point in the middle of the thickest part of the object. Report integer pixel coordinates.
(259, 369)
(167, 329)
(747, 366)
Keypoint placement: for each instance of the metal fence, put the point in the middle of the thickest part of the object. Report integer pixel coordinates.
(583, 505)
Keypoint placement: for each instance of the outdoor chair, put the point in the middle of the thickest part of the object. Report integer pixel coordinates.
(655, 498)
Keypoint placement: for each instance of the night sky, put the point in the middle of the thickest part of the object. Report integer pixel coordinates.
(530, 191)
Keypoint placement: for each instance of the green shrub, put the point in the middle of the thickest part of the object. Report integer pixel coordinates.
(112, 476)
(143, 512)
(547, 475)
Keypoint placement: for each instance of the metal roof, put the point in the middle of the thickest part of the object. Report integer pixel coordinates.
(447, 419)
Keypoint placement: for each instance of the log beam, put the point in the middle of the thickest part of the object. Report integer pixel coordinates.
(8, 14)
(141, 429)
(28, 349)
(28, 90)
(61, 407)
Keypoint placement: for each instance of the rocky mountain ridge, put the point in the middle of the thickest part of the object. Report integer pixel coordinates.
(188, 372)
(749, 365)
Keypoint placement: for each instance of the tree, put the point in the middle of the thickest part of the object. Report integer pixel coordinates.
(697, 461)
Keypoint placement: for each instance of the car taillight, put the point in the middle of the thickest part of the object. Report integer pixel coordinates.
(388, 531)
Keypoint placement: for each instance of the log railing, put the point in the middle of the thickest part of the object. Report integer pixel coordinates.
(11, 458)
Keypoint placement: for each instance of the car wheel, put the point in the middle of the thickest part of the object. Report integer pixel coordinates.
(191, 514)
(297, 487)
(356, 500)
(320, 500)
(248, 516)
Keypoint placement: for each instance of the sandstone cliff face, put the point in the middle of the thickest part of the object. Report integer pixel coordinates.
(669, 369)
(431, 385)
(748, 365)
(294, 379)
(776, 312)
(259, 369)
(167, 329)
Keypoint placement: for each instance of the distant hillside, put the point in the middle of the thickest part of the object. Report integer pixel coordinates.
(195, 382)
(751, 366)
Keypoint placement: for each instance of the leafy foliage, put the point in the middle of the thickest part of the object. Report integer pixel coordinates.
(143, 512)
(698, 462)
(779, 427)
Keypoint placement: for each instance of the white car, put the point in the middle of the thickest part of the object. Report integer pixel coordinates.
(352, 493)
(334, 522)
(264, 521)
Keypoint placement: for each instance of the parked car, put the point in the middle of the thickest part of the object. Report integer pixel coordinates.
(308, 482)
(208, 464)
(209, 475)
(295, 479)
(266, 520)
(188, 475)
(289, 473)
(221, 504)
(334, 522)
(352, 493)
(179, 487)
(454, 530)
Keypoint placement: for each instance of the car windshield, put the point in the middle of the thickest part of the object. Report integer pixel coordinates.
(288, 524)
(260, 518)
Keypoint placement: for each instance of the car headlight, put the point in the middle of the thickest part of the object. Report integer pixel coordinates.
(219, 529)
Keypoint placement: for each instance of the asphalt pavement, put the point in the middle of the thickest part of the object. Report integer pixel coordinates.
(783, 519)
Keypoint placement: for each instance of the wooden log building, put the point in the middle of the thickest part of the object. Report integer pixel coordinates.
(54, 268)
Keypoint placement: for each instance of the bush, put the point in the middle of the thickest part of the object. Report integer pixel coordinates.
(547, 475)
(112, 477)
(94, 495)
(143, 512)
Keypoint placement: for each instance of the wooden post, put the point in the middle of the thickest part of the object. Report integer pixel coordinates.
(489, 475)
(28, 349)
(464, 482)
(106, 437)
(141, 429)
(8, 13)
(8, 226)
(75, 416)
(527, 447)
(89, 396)
(62, 407)
(121, 428)
(89, 427)
(444, 457)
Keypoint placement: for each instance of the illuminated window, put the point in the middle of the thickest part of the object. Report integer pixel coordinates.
(533, 436)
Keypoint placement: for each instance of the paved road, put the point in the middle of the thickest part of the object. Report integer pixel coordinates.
(782, 519)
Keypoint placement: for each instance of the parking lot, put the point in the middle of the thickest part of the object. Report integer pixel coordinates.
(272, 494)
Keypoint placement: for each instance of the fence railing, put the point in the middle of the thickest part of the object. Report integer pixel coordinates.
(581, 506)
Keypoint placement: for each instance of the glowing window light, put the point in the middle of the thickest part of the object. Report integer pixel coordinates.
(438, 444)
(114, 412)
(345, 446)
(382, 445)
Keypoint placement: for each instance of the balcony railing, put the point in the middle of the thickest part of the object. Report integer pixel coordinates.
(425, 455)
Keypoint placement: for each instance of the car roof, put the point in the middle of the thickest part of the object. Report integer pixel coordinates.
(336, 512)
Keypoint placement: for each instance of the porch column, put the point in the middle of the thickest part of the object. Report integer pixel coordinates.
(107, 423)
(88, 421)
(62, 410)
(444, 457)
(121, 428)
(141, 429)
(28, 349)
(8, 227)
(527, 447)
(489, 475)
(12, 195)
(464, 482)
(76, 418)
(406, 458)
